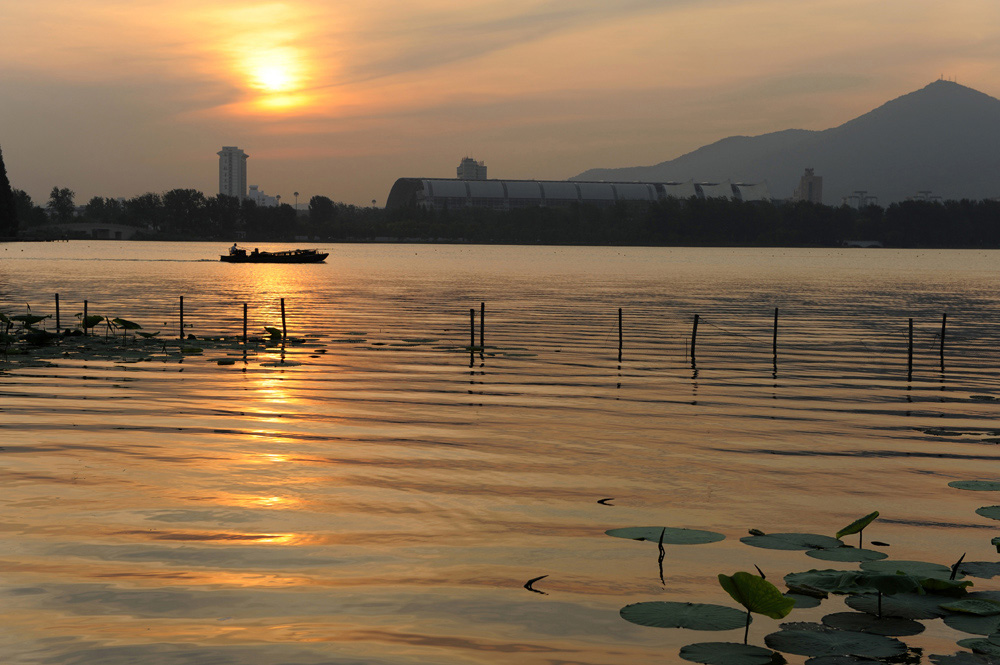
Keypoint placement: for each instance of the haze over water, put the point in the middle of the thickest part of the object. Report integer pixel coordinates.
(383, 495)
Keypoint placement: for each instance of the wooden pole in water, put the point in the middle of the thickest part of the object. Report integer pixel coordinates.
(182, 317)
(58, 326)
(909, 362)
(482, 326)
(284, 331)
(244, 324)
(620, 334)
(694, 337)
(774, 341)
(944, 325)
(472, 327)
(84, 317)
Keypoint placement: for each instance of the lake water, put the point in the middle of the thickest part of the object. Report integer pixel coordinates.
(383, 495)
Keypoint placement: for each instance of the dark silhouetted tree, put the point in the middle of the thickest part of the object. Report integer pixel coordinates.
(60, 204)
(8, 207)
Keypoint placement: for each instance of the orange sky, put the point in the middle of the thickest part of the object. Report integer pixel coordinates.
(121, 97)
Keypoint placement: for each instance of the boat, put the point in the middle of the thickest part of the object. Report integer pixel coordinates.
(241, 255)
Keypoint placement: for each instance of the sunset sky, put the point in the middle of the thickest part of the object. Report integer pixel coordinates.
(121, 97)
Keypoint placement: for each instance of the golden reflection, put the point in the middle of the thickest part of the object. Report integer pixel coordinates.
(277, 502)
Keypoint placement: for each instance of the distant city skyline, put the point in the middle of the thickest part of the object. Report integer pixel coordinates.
(341, 99)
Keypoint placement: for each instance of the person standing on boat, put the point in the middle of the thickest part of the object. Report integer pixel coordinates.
(232, 250)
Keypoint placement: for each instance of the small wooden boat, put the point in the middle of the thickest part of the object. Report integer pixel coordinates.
(241, 255)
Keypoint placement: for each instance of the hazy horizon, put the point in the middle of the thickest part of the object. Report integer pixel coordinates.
(118, 99)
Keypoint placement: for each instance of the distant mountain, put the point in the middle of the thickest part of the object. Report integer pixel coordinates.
(944, 138)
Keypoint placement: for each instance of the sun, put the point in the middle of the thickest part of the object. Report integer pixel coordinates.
(274, 78)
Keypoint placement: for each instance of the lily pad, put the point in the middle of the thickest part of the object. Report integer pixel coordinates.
(803, 602)
(867, 623)
(696, 616)
(914, 568)
(979, 606)
(825, 641)
(903, 605)
(982, 569)
(727, 653)
(970, 623)
(792, 541)
(980, 645)
(671, 535)
(847, 554)
(976, 485)
(964, 658)
(992, 512)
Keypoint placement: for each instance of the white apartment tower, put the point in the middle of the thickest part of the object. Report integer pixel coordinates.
(810, 188)
(470, 169)
(233, 172)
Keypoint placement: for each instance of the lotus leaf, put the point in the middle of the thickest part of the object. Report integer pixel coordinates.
(978, 606)
(147, 335)
(126, 324)
(979, 645)
(757, 594)
(696, 616)
(831, 642)
(857, 525)
(727, 653)
(919, 569)
(29, 319)
(903, 605)
(945, 587)
(846, 554)
(976, 485)
(792, 541)
(996, 543)
(866, 623)
(803, 602)
(964, 658)
(992, 512)
(970, 623)
(982, 569)
(830, 581)
(841, 660)
(671, 535)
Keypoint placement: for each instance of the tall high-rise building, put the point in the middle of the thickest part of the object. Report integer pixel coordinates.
(470, 169)
(233, 172)
(810, 188)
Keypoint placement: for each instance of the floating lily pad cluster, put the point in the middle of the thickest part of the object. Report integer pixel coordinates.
(890, 599)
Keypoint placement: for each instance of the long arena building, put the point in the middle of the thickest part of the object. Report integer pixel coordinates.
(508, 194)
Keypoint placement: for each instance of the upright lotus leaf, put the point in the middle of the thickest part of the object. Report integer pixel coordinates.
(857, 526)
(696, 616)
(125, 325)
(727, 653)
(757, 595)
(29, 320)
(275, 333)
(940, 587)
(147, 335)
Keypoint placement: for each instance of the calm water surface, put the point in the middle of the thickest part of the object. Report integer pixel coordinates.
(383, 496)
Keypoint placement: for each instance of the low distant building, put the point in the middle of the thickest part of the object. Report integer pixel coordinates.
(262, 200)
(442, 193)
(810, 188)
(470, 169)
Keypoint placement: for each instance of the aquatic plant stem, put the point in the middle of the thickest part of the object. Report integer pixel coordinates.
(746, 631)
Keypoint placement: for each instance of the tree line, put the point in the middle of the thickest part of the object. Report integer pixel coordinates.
(187, 214)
